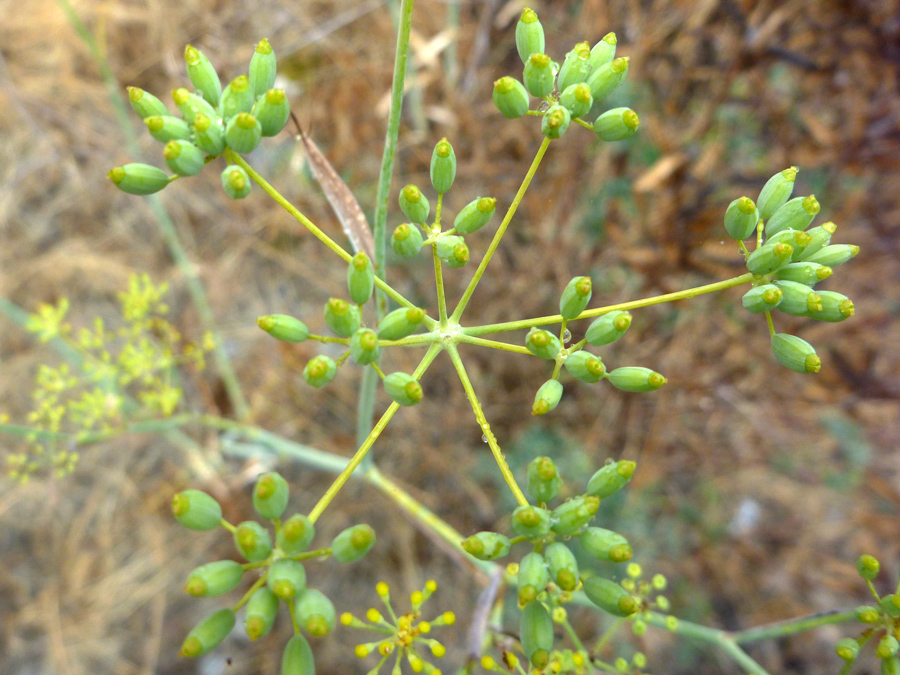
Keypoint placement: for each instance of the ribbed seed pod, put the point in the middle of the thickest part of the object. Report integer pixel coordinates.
(510, 97)
(237, 98)
(741, 218)
(556, 121)
(341, 317)
(562, 565)
(315, 612)
(253, 541)
(610, 478)
(603, 52)
(762, 298)
(576, 66)
(575, 297)
(604, 79)
(867, 614)
(364, 348)
(286, 578)
(532, 577)
(243, 133)
(208, 634)
(184, 158)
(262, 608)
(167, 128)
(407, 240)
(571, 516)
(272, 110)
(452, 250)
(636, 379)
(443, 166)
(192, 105)
(353, 543)
(360, 278)
(262, 69)
(403, 388)
(616, 124)
(544, 480)
(196, 510)
(400, 323)
(834, 307)
(795, 214)
(414, 204)
(146, 104)
(486, 545)
(610, 596)
(867, 566)
(795, 353)
(605, 545)
(808, 273)
(138, 179)
(202, 75)
(776, 192)
(847, 649)
(270, 495)
(531, 521)
(797, 299)
(319, 371)
(542, 343)
(769, 257)
(547, 397)
(475, 215)
(529, 35)
(577, 99)
(536, 634)
(298, 657)
(832, 255)
(538, 75)
(283, 327)
(209, 136)
(585, 366)
(215, 578)
(608, 328)
(819, 238)
(295, 534)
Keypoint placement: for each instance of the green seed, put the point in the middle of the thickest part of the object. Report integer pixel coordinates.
(202, 75)
(741, 218)
(196, 510)
(272, 110)
(341, 317)
(353, 543)
(808, 273)
(407, 240)
(832, 255)
(532, 578)
(298, 657)
(547, 397)
(610, 596)
(315, 612)
(542, 343)
(167, 128)
(819, 237)
(529, 35)
(636, 379)
(585, 366)
(616, 124)
(414, 204)
(603, 52)
(536, 633)
(608, 328)
(575, 297)
(605, 545)
(360, 278)
(443, 166)
(576, 67)
(146, 104)
(215, 578)
(572, 515)
(611, 478)
(364, 348)
(605, 78)
(776, 192)
(538, 75)
(253, 541)
(833, 307)
(283, 327)
(262, 69)
(243, 133)
(510, 97)
(486, 545)
(286, 578)
(555, 121)
(209, 136)
(208, 634)
(184, 158)
(577, 99)
(319, 371)
(452, 250)
(295, 534)
(795, 353)
(544, 481)
(270, 495)
(531, 521)
(475, 215)
(403, 388)
(192, 105)
(562, 565)
(762, 298)
(400, 323)
(138, 179)
(798, 299)
(262, 608)
(769, 257)
(237, 98)
(796, 214)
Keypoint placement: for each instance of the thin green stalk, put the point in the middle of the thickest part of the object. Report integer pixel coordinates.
(492, 344)
(793, 626)
(495, 242)
(439, 286)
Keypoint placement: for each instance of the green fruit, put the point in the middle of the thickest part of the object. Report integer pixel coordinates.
(808, 273)
(295, 534)
(562, 565)
(510, 97)
(215, 578)
(400, 323)
(319, 371)
(360, 278)
(452, 250)
(243, 133)
(616, 124)
(202, 75)
(796, 214)
(236, 99)
(407, 240)
(544, 480)
(196, 510)
(795, 353)
(798, 299)
(762, 298)
(531, 521)
(575, 68)
(536, 633)
(286, 578)
(146, 104)
(209, 136)
(261, 73)
(486, 545)
(167, 128)
(547, 397)
(208, 634)
(443, 166)
(353, 543)
(270, 495)
(556, 121)
(184, 158)
(741, 218)
(776, 192)
(272, 110)
(585, 366)
(532, 577)
(253, 541)
(364, 348)
(543, 343)
(604, 79)
(529, 35)
(192, 105)
(341, 317)
(575, 297)
(603, 52)
(297, 658)
(610, 478)
(636, 379)
(262, 608)
(608, 328)
(138, 179)
(610, 596)
(315, 612)
(605, 545)
(769, 257)
(577, 99)
(475, 215)
(283, 327)
(538, 75)
(571, 516)
(833, 255)
(403, 388)
(414, 204)
(834, 307)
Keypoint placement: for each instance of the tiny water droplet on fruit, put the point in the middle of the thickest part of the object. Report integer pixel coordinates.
(483, 438)
(567, 335)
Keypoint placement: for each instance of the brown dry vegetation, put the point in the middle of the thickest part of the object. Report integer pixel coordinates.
(728, 92)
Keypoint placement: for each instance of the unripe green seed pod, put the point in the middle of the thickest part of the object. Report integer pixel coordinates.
(796, 214)
(890, 604)
(475, 215)
(762, 298)
(319, 371)
(562, 564)
(270, 495)
(555, 121)
(867, 614)
(804, 273)
(795, 353)
(243, 133)
(604, 79)
(414, 204)
(832, 255)
(146, 104)
(531, 521)
(608, 328)
(610, 478)
(208, 634)
(636, 379)
(868, 566)
(403, 388)
(538, 75)
(532, 578)
(605, 545)
(192, 105)
(209, 136)
(341, 317)
(452, 250)
(400, 323)
(360, 278)
(237, 98)
(575, 297)
(510, 97)
(262, 69)
(616, 124)
(298, 657)
(407, 240)
(543, 343)
(603, 52)
(215, 578)
(796, 238)
(544, 480)
(769, 257)
(167, 128)
(890, 666)
(536, 633)
(569, 517)
(847, 649)
(833, 307)
(138, 179)
(272, 110)
(262, 608)
(486, 545)
(286, 578)
(529, 35)
(887, 647)
(202, 75)
(798, 299)
(353, 543)
(610, 596)
(253, 541)
(575, 68)
(443, 166)
(776, 192)
(585, 366)
(741, 218)
(315, 612)
(295, 534)
(364, 348)
(196, 510)
(283, 327)
(184, 158)
(577, 99)
(819, 238)
(547, 397)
